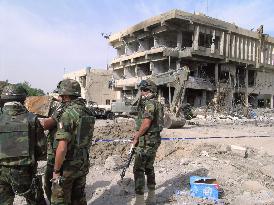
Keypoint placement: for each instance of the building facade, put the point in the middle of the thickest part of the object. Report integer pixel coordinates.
(94, 85)
(222, 58)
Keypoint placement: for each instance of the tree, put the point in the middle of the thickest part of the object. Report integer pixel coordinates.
(31, 91)
(2, 85)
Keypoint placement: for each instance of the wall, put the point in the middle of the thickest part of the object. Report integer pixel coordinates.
(97, 88)
(94, 84)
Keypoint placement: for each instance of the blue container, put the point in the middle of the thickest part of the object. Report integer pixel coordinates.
(204, 187)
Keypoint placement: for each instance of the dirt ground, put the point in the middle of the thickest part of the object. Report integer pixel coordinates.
(206, 147)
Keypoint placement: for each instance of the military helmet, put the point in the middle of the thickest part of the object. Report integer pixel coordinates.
(148, 85)
(68, 87)
(14, 92)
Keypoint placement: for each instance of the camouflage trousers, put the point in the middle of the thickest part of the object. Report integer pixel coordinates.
(144, 165)
(20, 181)
(70, 190)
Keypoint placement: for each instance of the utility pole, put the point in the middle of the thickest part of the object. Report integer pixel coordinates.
(106, 36)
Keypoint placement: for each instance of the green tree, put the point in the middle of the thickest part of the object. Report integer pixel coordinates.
(2, 85)
(31, 91)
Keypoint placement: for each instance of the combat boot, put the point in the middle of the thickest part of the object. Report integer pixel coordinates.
(139, 199)
(151, 198)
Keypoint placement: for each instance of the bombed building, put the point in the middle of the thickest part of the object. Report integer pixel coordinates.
(225, 61)
(94, 85)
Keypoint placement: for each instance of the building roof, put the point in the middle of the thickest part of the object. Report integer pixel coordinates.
(195, 18)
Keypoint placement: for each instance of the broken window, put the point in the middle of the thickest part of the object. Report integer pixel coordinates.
(120, 50)
(171, 39)
(205, 40)
(251, 78)
(150, 42)
(224, 76)
(240, 76)
(187, 39)
(143, 70)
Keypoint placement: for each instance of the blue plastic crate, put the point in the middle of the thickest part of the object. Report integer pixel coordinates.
(204, 187)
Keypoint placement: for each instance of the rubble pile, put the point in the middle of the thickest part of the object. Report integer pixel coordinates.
(120, 129)
(242, 167)
(240, 171)
(244, 174)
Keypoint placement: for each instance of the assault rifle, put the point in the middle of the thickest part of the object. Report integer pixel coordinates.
(131, 153)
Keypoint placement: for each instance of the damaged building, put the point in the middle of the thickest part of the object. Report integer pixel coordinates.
(94, 85)
(226, 62)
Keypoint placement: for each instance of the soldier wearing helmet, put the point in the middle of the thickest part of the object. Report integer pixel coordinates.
(68, 147)
(22, 143)
(146, 141)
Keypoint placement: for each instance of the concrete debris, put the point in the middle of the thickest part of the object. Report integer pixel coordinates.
(247, 180)
(113, 162)
(241, 151)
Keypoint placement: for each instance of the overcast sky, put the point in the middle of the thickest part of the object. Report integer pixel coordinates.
(40, 40)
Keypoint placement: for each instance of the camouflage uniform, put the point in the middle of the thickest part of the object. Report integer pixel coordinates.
(75, 167)
(147, 146)
(54, 112)
(17, 174)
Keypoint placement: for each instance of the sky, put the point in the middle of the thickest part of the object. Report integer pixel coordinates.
(41, 40)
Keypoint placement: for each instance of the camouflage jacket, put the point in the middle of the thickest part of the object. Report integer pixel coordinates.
(68, 121)
(149, 108)
(15, 110)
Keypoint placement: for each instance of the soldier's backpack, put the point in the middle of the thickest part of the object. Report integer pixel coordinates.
(84, 131)
(16, 138)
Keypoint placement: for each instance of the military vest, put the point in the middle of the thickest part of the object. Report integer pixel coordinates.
(157, 122)
(82, 136)
(17, 139)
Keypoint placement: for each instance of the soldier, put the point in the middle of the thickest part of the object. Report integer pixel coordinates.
(22, 143)
(50, 125)
(68, 149)
(146, 141)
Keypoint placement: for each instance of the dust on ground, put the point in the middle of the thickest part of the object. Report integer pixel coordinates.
(246, 177)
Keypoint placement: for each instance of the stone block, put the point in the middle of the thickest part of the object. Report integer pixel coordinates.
(238, 150)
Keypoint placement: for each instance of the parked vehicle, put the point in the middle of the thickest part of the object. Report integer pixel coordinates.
(99, 112)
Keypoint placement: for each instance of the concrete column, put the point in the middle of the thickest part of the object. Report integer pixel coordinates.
(237, 47)
(178, 64)
(254, 51)
(258, 54)
(151, 67)
(195, 44)
(246, 49)
(126, 49)
(203, 101)
(222, 43)
(179, 40)
(270, 54)
(228, 46)
(136, 71)
(155, 41)
(242, 48)
(212, 47)
(233, 46)
(262, 57)
(266, 52)
(271, 101)
(250, 51)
